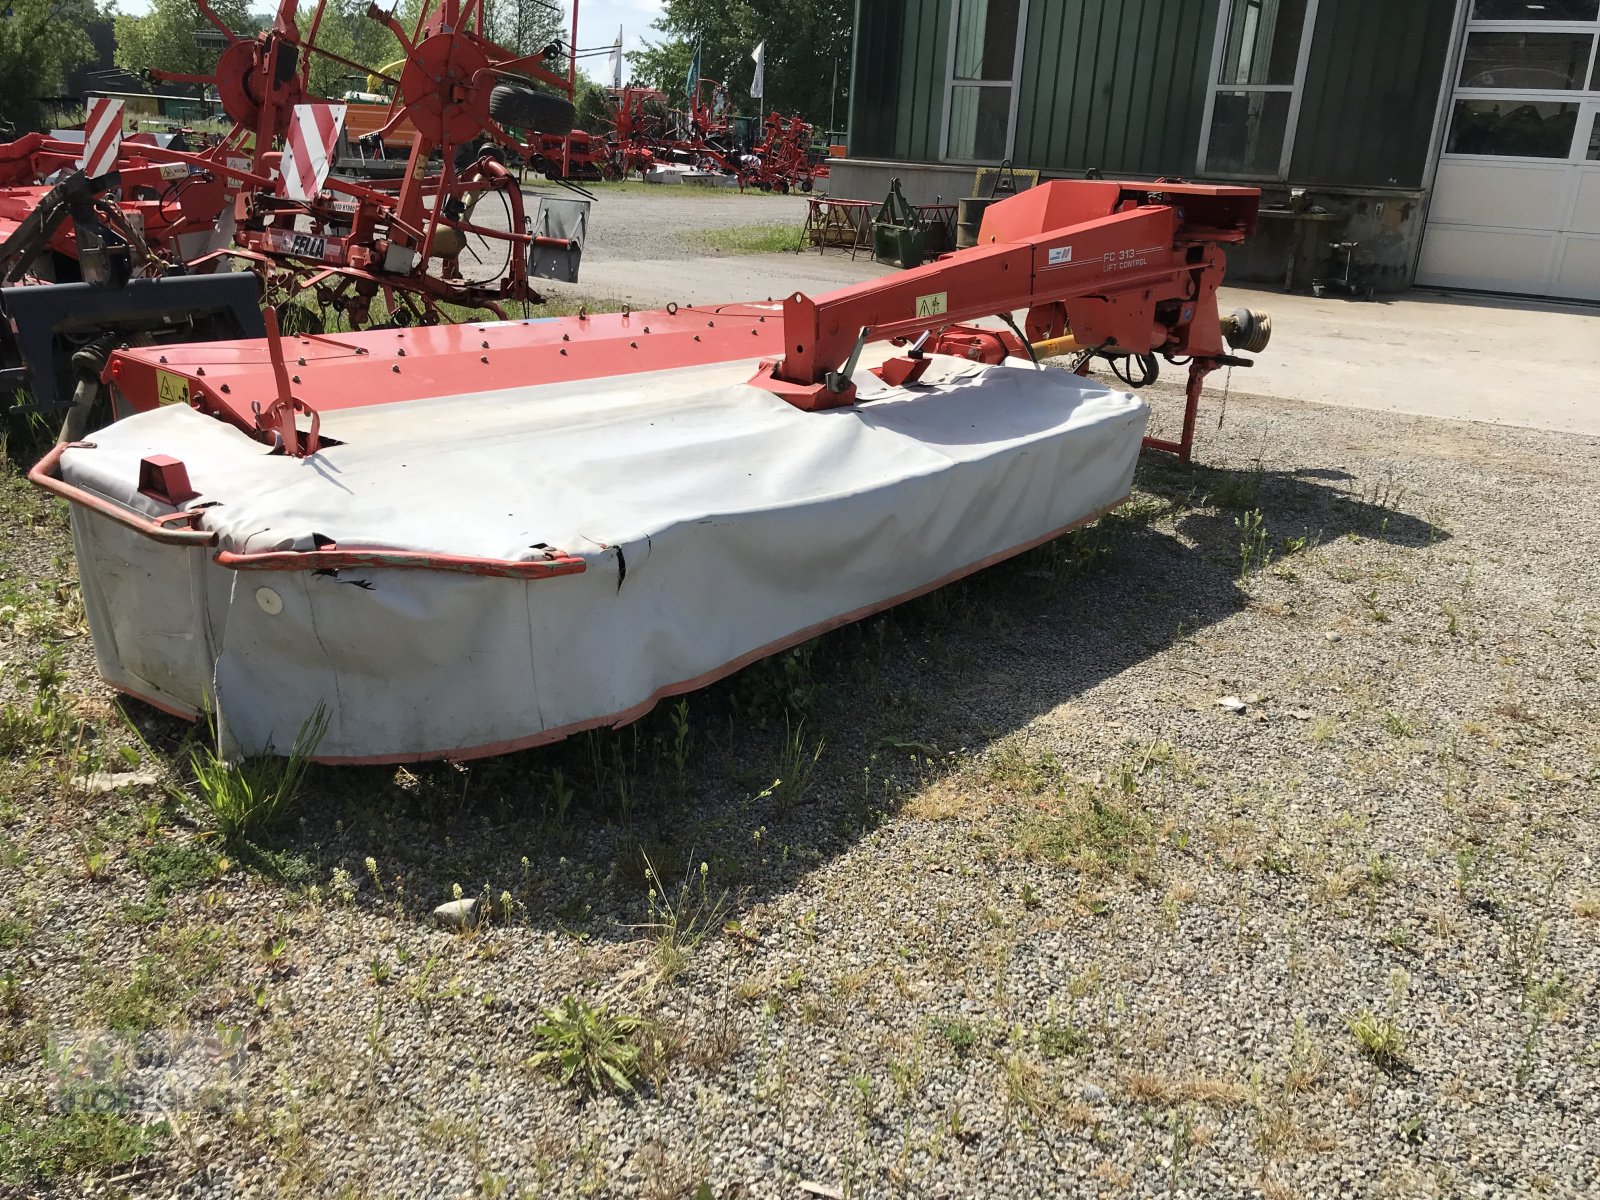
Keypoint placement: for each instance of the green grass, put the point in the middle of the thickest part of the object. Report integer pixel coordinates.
(555, 304)
(245, 799)
(961, 1036)
(589, 1047)
(1019, 766)
(149, 1000)
(175, 866)
(568, 305)
(180, 964)
(796, 763)
(766, 238)
(1379, 1037)
(1095, 829)
(1254, 553)
(37, 1146)
(40, 720)
(676, 927)
(1238, 489)
(1062, 1039)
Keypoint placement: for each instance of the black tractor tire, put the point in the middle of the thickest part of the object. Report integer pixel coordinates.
(527, 108)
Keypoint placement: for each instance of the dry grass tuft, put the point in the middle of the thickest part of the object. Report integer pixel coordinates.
(1149, 1088)
(1077, 1115)
(945, 800)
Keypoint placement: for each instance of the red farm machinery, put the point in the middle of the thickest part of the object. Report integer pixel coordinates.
(646, 132)
(451, 230)
(351, 523)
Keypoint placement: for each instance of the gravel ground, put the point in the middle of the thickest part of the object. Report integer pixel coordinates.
(651, 221)
(1046, 918)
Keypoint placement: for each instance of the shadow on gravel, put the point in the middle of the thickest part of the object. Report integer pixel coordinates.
(789, 763)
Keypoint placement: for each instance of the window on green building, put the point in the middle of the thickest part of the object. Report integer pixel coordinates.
(983, 58)
(1260, 62)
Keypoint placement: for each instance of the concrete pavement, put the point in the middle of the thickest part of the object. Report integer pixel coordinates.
(1479, 358)
(714, 278)
(1504, 361)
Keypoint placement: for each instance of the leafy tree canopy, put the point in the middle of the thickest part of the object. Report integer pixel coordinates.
(163, 39)
(40, 41)
(803, 37)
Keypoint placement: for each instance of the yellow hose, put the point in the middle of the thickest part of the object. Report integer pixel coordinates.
(1051, 347)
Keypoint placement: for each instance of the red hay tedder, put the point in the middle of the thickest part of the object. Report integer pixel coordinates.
(352, 242)
(165, 214)
(645, 132)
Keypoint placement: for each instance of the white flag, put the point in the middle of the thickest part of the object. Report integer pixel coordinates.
(616, 60)
(758, 84)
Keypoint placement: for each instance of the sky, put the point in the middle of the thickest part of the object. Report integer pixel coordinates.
(597, 26)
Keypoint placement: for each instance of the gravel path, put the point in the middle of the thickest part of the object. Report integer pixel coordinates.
(650, 221)
(1048, 920)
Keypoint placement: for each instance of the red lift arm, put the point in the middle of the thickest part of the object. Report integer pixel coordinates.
(1102, 267)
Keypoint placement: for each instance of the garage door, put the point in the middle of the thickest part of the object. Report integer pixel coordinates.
(1516, 204)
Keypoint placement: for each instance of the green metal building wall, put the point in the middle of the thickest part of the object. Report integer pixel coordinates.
(1115, 84)
(1121, 85)
(897, 90)
(1370, 93)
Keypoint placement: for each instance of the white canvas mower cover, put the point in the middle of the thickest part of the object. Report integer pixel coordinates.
(710, 521)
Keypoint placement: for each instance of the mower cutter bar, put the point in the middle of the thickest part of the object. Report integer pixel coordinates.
(386, 366)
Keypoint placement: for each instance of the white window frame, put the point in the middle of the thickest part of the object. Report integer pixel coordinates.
(951, 83)
(1584, 97)
(1519, 25)
(1588, 115)
(1591, 28)
(1296, 91)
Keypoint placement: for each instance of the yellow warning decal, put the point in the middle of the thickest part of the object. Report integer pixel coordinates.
(171, 389)
(933, 305)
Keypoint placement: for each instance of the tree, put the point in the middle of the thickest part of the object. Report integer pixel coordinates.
(593, 105)
(523, 26)
(40, 41)
(804, 38)
(347, 31)
(163, 39)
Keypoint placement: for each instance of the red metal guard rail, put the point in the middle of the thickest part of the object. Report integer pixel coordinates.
(45, 474)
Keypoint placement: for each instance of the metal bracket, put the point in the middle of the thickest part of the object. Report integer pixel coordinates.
(838, 381)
